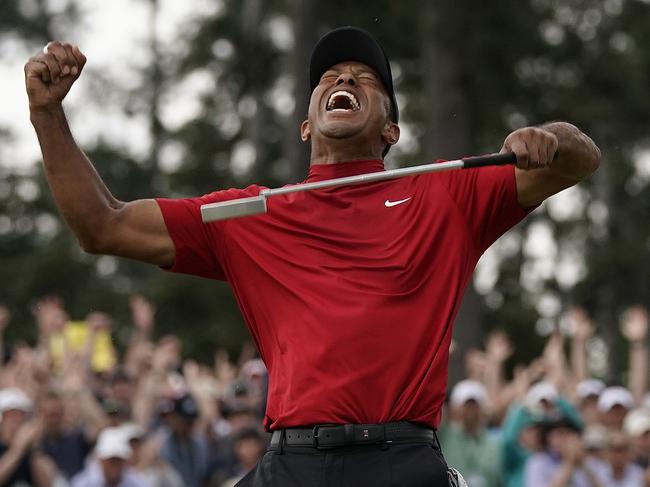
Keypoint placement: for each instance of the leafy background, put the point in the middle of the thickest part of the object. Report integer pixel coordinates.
(216, 102)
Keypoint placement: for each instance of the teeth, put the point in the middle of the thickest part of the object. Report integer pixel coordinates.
(353, 101)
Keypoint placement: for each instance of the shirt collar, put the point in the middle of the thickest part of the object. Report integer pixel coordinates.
(320, 172)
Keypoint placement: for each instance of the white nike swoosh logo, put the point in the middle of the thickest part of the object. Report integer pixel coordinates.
(389, 203)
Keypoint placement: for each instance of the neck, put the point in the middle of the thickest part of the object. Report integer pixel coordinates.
(343, 150)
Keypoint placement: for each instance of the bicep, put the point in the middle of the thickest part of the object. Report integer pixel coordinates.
(534, 186)
(137, 231)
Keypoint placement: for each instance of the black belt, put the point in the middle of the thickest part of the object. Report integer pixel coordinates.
(324, 436)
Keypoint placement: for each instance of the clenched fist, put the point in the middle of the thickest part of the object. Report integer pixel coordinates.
(534, 147)
(50, 74)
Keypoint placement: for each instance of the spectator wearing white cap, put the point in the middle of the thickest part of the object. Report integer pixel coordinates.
(149, 469)
(468, 446)
(613, 404)
(562, 463)
(637, 427)
(20, 461)
(619, 469)
(111, 468)
(587, 393)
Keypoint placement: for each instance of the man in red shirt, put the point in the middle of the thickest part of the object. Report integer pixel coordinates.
(349, 292)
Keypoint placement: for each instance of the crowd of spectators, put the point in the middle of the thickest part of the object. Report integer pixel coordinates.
(552, 425)
(75, 412)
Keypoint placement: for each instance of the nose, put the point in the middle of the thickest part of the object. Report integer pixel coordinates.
(346, 78)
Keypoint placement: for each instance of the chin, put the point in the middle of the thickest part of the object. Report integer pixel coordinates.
(342, 130)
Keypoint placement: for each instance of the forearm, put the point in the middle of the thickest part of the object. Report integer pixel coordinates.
(638, 369)
(563, 475)
(577, 155)
(43, 470)
(9, 462)
(579, 360)
(81, 196)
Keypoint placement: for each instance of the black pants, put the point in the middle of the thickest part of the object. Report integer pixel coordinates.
(407, 464)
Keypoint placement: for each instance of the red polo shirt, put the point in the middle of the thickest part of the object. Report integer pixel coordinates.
(350, 293)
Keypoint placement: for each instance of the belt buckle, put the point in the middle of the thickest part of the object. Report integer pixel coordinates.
(314, 437)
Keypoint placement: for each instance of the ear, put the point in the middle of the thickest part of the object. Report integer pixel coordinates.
(390, 133)
(305, 132)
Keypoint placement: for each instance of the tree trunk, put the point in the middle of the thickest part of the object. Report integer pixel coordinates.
(305, 22)
(447, 135)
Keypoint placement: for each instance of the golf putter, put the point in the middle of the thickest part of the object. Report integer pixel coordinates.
(256, 205)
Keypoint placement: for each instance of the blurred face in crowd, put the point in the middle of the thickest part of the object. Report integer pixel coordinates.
(249, 451)
(122, 390)
(614, 418)
(641, 444)
(52, 411)
(531, 438)
(469, 415)
(179, 424)
(11, 421)
(589, 409)
(618, 451)
(113, 469)
(560, 438)
(242, 419)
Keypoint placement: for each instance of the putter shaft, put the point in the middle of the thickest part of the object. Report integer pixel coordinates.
(256, 205)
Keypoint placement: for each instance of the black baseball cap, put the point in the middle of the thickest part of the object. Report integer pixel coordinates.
(352, 44)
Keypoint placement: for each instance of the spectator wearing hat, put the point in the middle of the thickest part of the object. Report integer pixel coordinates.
(149, 469)
(111, 468)
(614, 404)
(587, 394)
(637, 427)
(467, 444)
(595, 439)
(21, 462)
(521, 432)
(184, 448)
(562, 463)
(248, 446)
(67, 445)
(619, 469)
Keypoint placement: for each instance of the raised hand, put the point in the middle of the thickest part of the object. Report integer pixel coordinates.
(634, 323)
(580, 324)
(99, 321)
(50, 315)
(498, 346)
(28, 434)
(49, 75)
(554, 350)
(534, 147)
(142, 313)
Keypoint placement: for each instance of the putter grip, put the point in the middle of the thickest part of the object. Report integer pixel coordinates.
(490, 160)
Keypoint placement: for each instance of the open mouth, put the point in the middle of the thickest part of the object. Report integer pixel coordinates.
(343, 101)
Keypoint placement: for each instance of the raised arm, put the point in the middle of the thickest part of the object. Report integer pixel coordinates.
(101, 223)
(550, 158)
(634, 327)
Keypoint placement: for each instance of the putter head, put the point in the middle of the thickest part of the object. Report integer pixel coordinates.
(224, 210)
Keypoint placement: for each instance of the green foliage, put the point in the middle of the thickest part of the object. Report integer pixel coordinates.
(514, 63)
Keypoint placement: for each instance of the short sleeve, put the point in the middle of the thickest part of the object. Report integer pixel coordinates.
(487, 197)
(198, 245)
